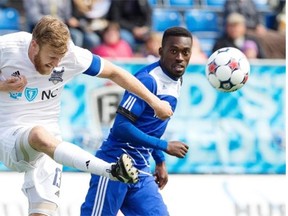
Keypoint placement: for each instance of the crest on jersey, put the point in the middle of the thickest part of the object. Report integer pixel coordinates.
(30, 93)
(56, 76)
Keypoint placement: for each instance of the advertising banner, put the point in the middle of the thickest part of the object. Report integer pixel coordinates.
(238, 132)
(185, 195)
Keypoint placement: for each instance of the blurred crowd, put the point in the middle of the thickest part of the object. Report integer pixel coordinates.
(123, 28)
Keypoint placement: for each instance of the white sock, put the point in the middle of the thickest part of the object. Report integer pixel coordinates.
(72, 155)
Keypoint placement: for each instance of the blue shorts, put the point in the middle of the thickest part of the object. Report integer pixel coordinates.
(106, 197)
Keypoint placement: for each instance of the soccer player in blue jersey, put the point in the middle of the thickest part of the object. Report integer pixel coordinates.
(137, 131)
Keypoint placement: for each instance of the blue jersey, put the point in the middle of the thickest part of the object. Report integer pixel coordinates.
(135, 122)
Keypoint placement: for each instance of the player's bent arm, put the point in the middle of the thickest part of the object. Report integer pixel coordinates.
(128, 132)
(2, 86)
(13, 84)
(126, 80)
(158, 156)
(134, 135)
(161, 175)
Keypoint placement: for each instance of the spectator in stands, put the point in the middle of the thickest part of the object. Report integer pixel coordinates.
(272, 42)
(134, 18)
(113, 46)
(279, 14)
(150, 50)
(93, 19)
(9, 18)
(281, 17)
(235, 36)
(36, 9)
(250, 49)
(3, 3)
(198, 55)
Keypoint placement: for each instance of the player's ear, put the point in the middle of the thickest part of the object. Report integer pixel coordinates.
(160, 51)
(34, 45)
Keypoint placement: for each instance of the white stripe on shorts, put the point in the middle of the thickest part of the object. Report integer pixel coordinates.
(100, 196)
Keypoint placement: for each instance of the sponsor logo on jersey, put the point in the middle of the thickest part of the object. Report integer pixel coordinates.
(15, 95)
(56, 76)
(30, 93)
(49, 94)
(16, 74)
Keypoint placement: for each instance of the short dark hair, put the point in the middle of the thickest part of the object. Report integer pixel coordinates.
(175, 31)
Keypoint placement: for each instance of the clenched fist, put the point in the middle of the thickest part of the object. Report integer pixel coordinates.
(177, 148)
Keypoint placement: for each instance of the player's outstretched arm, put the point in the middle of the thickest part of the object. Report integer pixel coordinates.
(126, 80)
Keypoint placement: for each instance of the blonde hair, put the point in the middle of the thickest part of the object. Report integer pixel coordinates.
(53, 32)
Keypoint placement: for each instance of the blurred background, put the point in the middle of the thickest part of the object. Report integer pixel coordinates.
(236, 165)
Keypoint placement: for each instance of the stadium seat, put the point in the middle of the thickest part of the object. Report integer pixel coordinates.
(164, 18)
(207, 45)
(270, 20)
(153, 2)
(202, 23)
(181, 2)
(262, 5)
(10, 20)
(214, 3)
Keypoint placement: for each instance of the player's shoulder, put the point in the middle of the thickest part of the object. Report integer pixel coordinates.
(77, 52)
(146, 71)
(15, 39)
(21, 35)
(145, 75)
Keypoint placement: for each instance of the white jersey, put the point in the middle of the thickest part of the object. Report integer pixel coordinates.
(39, 103)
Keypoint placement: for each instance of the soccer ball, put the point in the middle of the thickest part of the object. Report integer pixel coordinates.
(227, 69)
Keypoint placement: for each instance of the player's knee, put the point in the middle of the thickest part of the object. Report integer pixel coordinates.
(44, 208)
(37, 138)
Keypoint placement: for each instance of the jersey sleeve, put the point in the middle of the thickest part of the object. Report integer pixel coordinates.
(128, 132)
(83, 61)
(158, 156)
(96, 66)
(131, 105)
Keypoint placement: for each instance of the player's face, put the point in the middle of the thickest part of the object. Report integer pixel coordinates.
(175, 55)
(45, 59)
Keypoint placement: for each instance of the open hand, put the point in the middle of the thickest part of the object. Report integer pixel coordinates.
(161, 175)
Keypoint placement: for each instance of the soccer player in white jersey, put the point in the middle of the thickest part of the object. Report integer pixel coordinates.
(137, 132)
(33, 71)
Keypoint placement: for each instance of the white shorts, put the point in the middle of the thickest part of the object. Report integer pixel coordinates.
(42, 176)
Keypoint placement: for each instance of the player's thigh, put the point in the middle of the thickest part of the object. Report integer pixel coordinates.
(144, 199)
(8, 150)
(42, 186)
(104, 197)
(15, 151)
